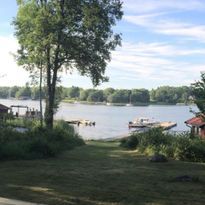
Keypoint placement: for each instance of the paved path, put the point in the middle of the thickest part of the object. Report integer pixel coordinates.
(5, 201)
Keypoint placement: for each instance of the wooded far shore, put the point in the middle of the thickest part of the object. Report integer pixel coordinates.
(162, 95)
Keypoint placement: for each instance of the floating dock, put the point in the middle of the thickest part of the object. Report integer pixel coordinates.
(81, 122)
(163, 125)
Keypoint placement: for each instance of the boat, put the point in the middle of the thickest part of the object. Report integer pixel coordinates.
(151, 123)
(142, 122)
(129, 105)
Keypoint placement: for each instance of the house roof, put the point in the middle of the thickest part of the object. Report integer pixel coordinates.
(196, 121)
(3, 107)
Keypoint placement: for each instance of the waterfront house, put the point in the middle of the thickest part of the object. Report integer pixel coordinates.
(197, 125)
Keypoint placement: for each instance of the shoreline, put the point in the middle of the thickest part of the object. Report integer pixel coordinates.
(125, 104)
(109, 104)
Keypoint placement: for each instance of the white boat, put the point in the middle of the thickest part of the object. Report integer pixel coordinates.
(151, 123)
(142, 122)
(129, 105)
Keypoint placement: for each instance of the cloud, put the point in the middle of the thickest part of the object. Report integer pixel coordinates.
(167, 26)
(156, 62)
(13, 74)
(159, 48)
(147, 6)
(148, 62)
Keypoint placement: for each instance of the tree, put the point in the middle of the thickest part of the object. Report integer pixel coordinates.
(95, 96)
(13, 91)
(73, 92)
(66, 34)
(83, 95)
(4, 92)
(24, 92)
(140, 95)
(36, 93)
(107, 92)
(198, 90)
(173, 95)
(119, 96)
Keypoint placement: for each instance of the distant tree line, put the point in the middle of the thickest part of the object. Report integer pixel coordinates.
(163, 94)
(172, 95)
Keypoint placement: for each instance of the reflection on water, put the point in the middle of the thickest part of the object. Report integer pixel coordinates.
(113, 121)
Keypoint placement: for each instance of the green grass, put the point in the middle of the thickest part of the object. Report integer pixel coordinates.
(101, 173)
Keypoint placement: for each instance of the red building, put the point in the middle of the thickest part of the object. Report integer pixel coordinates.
(197, 125)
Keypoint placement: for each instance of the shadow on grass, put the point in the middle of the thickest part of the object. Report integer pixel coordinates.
(101, 173)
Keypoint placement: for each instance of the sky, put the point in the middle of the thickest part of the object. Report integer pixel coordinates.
(163, 43)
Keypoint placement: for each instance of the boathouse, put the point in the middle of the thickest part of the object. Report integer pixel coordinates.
(3, 109)
(197, 125)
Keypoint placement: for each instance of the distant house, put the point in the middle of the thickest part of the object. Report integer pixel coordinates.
(197, 125)
(4, 109)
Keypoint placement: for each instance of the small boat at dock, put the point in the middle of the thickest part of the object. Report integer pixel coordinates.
(150, 123)
(142, 122)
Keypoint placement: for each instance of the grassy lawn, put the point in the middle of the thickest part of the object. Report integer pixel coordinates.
(101, 173)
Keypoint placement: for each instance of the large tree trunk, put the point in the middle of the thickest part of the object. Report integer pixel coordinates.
(49, 111)
(40, 88)
(50, 99)
(50, 95)
(49, 104)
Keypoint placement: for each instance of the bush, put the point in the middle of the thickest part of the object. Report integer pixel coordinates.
(130, 142)
(188, 149)
(155, 141)
(38, 142)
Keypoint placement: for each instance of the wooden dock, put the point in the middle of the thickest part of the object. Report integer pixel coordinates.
(166, 125)
(163, 125)
(81, 122)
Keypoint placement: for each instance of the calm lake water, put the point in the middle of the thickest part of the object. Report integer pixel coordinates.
(113, 121)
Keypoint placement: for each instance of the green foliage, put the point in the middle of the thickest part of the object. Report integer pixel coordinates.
(35, 93)
(84, 95)
(181, 146)
(23, 92)
(134, 96)
(198, 90)
(172, 95)
(107, 92)
(63, 35)
(29, 124)
(73, 92)
(37, 142)
(95, 96)
(119, 96)
(130, 143)
(154, 139)
(4, 92)
(139, 95)
(190, 149)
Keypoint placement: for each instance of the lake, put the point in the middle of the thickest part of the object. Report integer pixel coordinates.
(112, 121)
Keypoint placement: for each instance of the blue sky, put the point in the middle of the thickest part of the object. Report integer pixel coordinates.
(163, 43)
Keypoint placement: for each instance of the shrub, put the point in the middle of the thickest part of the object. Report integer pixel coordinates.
(178, 146)
(151, 141)
(38, 142)
(154, 139)
(190, 149)
(130, 142)
(168, 151)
